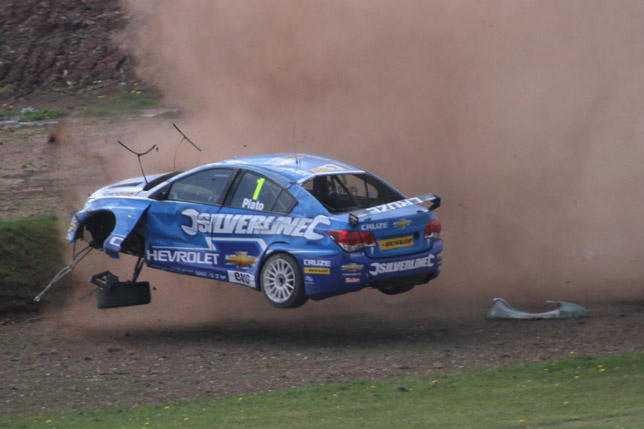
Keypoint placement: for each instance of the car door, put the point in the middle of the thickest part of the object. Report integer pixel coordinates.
(178, 230)
(249, 219)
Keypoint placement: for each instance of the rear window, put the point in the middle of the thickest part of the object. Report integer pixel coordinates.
(340, 193)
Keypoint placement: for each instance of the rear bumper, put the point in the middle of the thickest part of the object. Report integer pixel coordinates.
(416, 279)
(327, 276)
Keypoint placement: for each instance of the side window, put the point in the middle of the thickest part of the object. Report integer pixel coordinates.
(255, 192)
(284, 204)
(204, 187)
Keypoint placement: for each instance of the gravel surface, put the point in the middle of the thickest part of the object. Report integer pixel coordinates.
(56, 362)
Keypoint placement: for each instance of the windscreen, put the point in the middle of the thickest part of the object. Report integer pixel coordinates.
(341, 193)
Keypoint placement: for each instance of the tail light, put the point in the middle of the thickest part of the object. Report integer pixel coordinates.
(352, 241)
(433, 229)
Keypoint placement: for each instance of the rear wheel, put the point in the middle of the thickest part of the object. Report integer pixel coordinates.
(281, 281)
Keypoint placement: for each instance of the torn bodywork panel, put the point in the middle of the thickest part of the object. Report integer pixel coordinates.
(565, 310)
(110, 221)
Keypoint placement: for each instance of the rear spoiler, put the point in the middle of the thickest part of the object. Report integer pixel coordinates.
(355, 215)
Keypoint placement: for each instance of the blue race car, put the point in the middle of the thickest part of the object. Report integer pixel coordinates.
(290, 225)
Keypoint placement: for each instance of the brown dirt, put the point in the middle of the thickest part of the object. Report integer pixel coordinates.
(64, 45)
(528, 120)
(200, 338)
(50, 363)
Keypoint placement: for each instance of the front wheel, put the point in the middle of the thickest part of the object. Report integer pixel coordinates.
(281, 282)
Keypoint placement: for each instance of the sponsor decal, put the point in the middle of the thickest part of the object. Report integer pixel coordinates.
(317, 262)
(352, 279)
(406, 265)
(182, 256)
(316, 270)
(219, 223)
(241, 278)
(308, 279)
(297, 171)
(395, 243)
(283, 160)
(393, 206)
(241, 259)
(116, 240)
(73, 226)
(118, 194)
(397, 205)
(352, 267)
(402, 223)
(247, 203)
(374, 226)
(326, 167)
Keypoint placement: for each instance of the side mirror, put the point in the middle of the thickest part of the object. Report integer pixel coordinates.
(162, 194)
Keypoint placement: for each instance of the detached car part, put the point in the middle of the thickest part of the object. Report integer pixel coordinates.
(565, 310)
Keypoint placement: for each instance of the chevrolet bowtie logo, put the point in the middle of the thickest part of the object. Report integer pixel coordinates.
(401, 223)
(241, 259)
(352, 267)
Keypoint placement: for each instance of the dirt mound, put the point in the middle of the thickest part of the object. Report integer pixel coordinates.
(60, 43)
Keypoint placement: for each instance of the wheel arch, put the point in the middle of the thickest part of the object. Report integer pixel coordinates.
(282, 295)
(114, 226)
(100, 224)
(274, 249)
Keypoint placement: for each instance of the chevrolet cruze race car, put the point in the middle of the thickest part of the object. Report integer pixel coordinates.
(291, 226)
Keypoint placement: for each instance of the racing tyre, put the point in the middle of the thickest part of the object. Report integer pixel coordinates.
(395, 290)
(281, 282)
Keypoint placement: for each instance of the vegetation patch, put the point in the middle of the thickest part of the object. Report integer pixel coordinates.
(578, 392)
(29, 257)
(29, 114)
(7, 112)
(123, 103)
(116, 105)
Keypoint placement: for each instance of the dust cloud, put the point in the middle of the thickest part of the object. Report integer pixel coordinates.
(525, 116)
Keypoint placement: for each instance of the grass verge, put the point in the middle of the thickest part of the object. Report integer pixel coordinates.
(29, 257)
(578, 392)
(112, 106)
(29, 114)
(123, 103)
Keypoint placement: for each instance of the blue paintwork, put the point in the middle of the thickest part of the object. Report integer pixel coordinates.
(230, 244)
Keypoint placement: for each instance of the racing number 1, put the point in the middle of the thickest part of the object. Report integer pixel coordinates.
(260, 183)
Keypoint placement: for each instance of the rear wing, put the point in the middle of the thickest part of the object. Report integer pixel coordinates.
(354, 216)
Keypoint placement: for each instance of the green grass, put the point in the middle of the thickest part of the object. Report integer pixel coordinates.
(581, 392)
(124, 103)
(7, 112)
(29, 257)
(30, 115)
